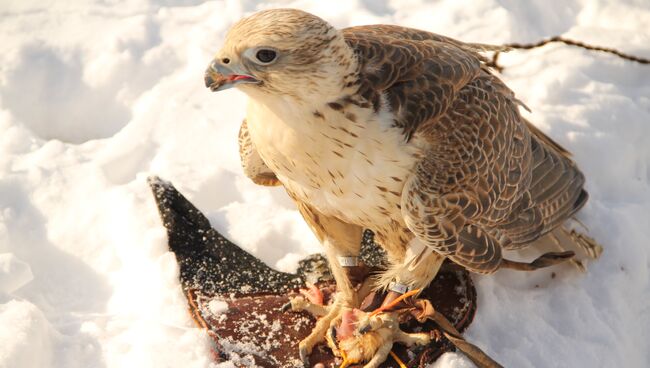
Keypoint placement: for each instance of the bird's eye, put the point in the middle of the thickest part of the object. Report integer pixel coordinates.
(265, 56)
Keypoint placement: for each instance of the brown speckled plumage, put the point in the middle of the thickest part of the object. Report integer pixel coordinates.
(489, 179)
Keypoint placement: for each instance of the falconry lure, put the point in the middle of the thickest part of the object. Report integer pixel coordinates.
(403, 132)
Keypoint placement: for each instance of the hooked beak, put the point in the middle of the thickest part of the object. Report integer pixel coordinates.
(219, 77)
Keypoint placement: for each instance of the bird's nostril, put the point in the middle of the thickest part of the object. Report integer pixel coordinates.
(225, 60)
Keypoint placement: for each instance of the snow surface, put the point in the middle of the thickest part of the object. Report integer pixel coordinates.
(96, 95)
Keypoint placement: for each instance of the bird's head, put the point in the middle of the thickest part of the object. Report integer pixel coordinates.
(282, 52)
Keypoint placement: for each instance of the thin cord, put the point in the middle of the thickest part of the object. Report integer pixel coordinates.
(527, 46)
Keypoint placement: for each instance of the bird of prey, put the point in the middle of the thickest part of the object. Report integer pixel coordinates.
(400, 131)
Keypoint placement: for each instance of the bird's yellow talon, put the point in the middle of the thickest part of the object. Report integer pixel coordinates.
(345, 362)
(395, 302)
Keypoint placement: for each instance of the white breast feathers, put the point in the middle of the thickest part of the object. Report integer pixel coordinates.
(350, 163)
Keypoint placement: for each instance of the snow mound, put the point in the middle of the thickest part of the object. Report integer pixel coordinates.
(26, 335)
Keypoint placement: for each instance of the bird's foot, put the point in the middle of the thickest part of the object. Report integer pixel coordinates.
(330, 318)
(372, 341)
(374, 335)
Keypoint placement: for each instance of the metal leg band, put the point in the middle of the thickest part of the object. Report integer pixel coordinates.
(348, 261)
(398, 287)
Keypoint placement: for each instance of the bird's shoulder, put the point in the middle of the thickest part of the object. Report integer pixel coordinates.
(413, 73)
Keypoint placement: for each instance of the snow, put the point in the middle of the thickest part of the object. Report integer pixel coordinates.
(14, 273)
(97, 95)
(217, 307)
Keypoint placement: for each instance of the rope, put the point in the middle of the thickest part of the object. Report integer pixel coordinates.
(398, 360)
(494, 63)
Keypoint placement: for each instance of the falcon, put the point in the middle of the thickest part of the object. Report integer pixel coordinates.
(400, 131)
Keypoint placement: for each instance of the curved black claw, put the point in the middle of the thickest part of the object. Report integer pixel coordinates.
(285, 307)
(304, 356)
(333, 333)
(365, 329)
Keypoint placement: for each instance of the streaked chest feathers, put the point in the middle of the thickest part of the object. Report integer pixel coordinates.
(348, 163)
